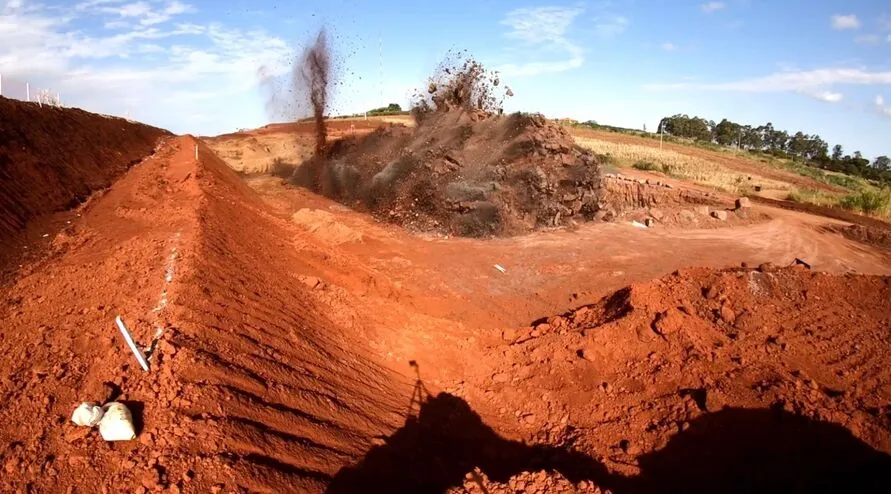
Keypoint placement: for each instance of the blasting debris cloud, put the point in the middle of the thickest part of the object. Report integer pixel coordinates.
(461, 83)
(313, 76)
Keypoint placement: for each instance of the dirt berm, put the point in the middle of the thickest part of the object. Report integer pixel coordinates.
(52, 159)
(251, 384)
(463, 173)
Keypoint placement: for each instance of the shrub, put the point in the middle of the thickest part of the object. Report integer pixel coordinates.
(868, 201)
(646, 166)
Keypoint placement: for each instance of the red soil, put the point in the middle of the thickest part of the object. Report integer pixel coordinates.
(52, 159)
(283, 364)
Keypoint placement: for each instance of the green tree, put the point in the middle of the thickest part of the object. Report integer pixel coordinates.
(837, 152)
(751, 138)
(726, 132)
(882, 163)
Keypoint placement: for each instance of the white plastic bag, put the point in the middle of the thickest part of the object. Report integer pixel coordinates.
(116, 423)
(87, 414)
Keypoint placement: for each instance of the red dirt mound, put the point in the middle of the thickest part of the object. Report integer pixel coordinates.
(462, 173)
(880, 237)
(692, 382)
(836, 213)
(53, 159)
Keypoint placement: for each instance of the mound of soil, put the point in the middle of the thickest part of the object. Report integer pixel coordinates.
(52, 159)
(880, 237)
(836, 213)
(462, 173)
(692, 382)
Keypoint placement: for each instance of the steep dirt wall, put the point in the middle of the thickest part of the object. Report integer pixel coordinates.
(53, 158)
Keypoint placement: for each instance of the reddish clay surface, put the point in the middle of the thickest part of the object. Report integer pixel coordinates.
(52, 159)
(305, 348)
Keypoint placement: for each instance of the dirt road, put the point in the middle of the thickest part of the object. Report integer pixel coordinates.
(546, 269)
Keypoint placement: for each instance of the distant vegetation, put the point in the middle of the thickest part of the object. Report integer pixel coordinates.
(810, 150)
(803, 150)
(391, 109)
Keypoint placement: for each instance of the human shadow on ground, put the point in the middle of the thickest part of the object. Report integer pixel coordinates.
(441, 442)
(729, 451)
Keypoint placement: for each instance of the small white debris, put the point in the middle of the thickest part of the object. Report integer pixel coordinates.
(500, 268)
(638, 224)
(45, 235)
(117, 423)
(132, 344)
(87, 414)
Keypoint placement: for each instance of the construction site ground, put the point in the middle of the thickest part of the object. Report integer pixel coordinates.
(301, 346)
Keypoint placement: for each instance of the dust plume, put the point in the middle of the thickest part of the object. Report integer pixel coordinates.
(313, 75)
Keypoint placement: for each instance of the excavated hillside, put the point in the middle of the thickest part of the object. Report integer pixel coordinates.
(462, 173)
(52, 159)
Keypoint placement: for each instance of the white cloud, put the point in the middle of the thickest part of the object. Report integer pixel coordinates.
(120, 67)
(710, 7)
(610, 25)
(543, 29)
(792, 80)
(541, 24)
(849, 21)
(868, 39)
(817, 83)
(137, 9)
(825, 96)
(669, 46)
(881, 108)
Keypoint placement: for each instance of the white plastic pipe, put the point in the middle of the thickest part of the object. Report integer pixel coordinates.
(129, 339)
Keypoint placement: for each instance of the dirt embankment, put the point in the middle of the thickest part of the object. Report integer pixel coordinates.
(836, 213)
(693, 382)
(251, 385)
(462, 173)
(52, 159)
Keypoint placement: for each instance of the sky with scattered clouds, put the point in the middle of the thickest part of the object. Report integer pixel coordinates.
(207, 67)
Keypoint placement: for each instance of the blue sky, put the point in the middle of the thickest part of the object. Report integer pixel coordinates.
(197, 66)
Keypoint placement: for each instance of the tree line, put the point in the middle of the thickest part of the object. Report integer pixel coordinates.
(809, 149)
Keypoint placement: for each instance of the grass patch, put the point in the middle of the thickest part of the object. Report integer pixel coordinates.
(873, 202)
(817, 197)
(831, 178)
(678, 166)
